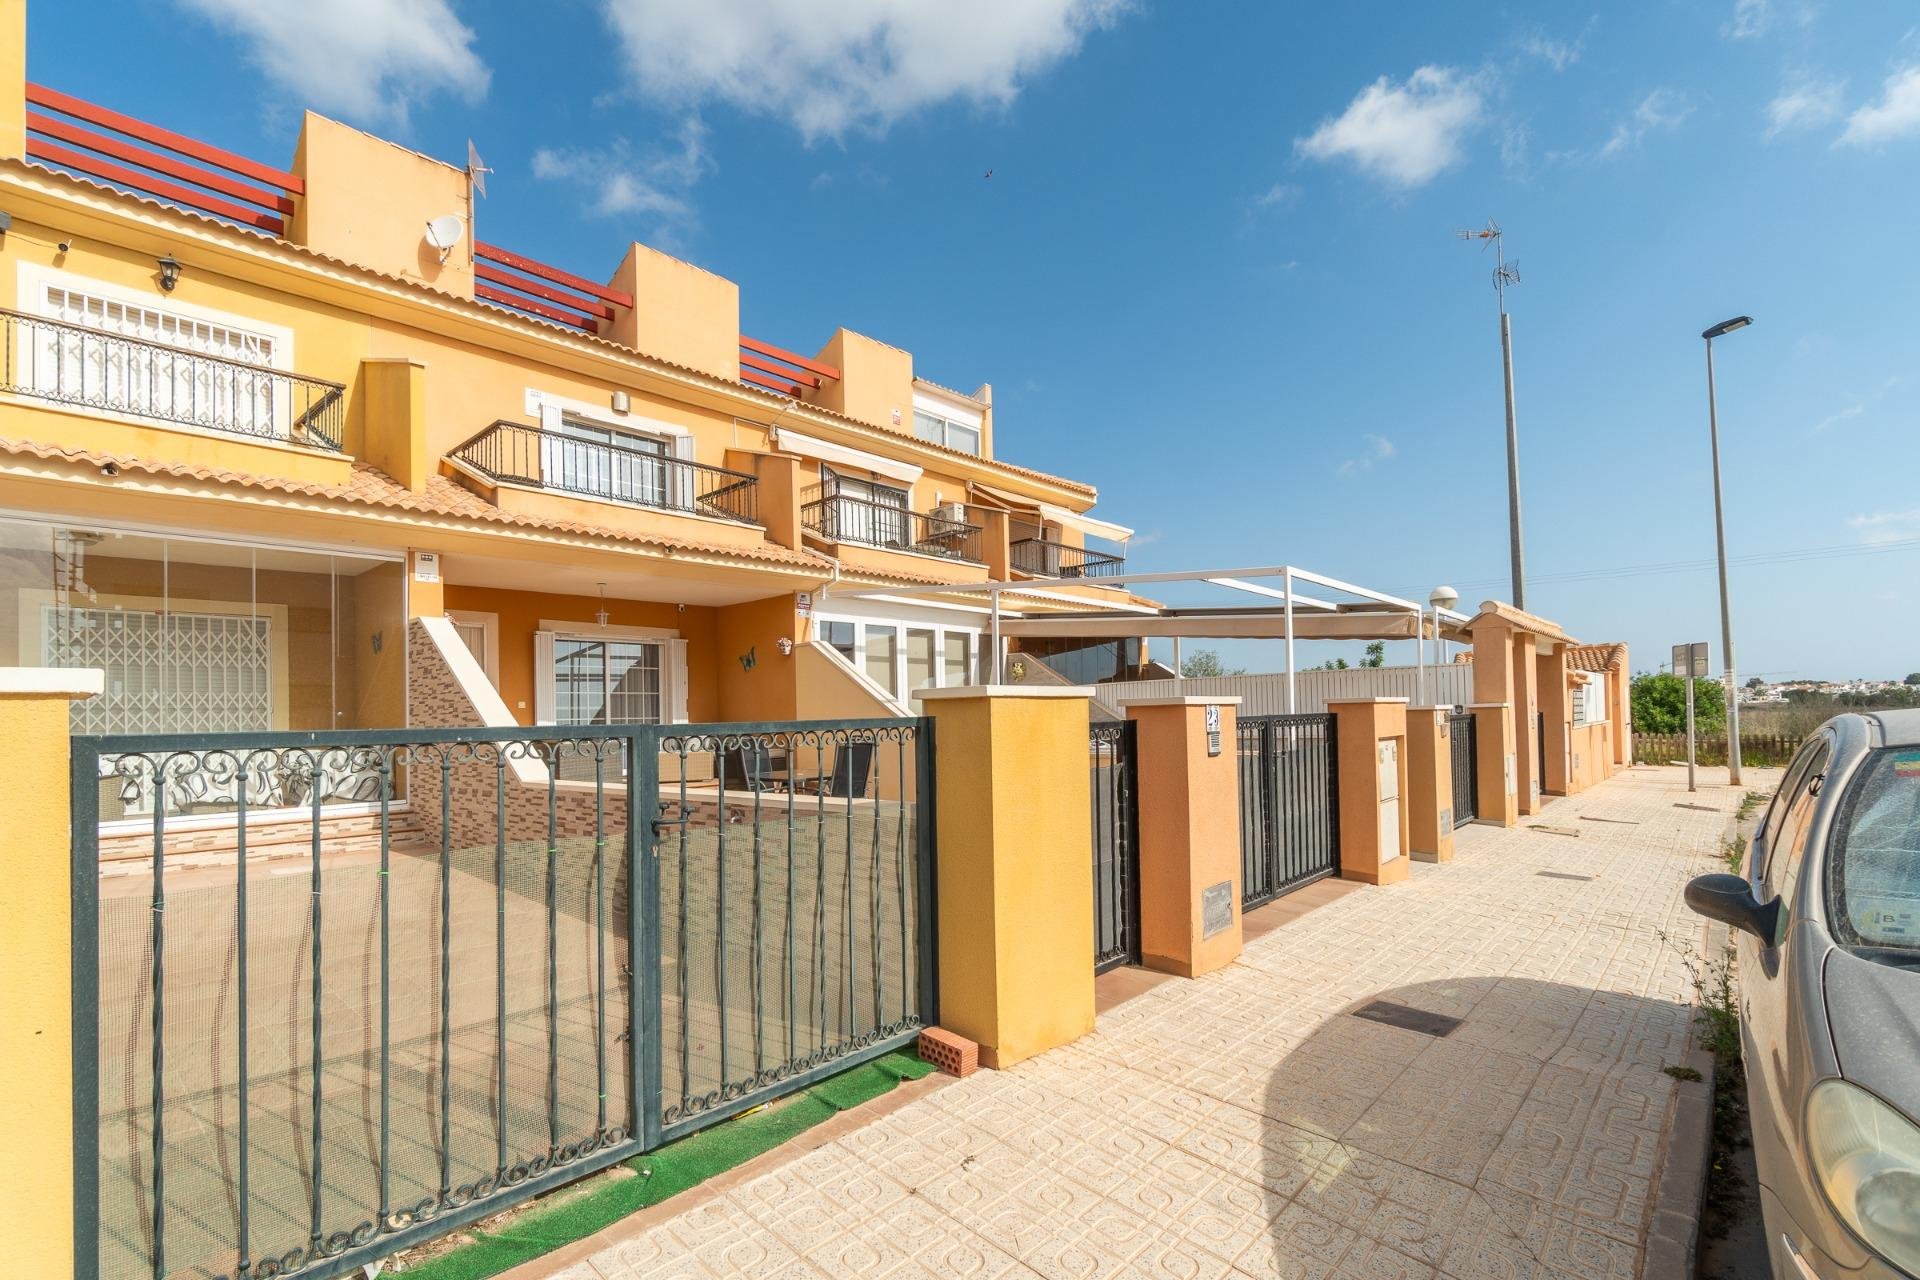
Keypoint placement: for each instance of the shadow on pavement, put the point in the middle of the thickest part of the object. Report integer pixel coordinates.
(1471, 1127)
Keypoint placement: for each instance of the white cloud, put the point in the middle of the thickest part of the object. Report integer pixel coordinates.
(1803, 105)
(368, 60)
(1280, 195)
(1750, 18)
(1558, 54)
(620, 181)
(1374, 449)
(1881, 527)
(1896, 115)
(830, 67)
(1403, 134)
(1833, 420)
(1660, 111)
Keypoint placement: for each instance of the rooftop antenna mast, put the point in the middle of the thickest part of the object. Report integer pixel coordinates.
(1504, 274)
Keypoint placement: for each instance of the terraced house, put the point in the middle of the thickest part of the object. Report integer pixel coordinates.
(260, 418)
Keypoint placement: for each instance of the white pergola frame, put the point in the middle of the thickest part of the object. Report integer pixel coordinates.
(1244, 580)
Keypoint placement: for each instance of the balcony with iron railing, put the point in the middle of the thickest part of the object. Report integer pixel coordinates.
(514, 453)
(1045, 558)
(841, 517)
(95, 369)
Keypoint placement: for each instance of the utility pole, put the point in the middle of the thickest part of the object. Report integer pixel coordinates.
(1504, 275)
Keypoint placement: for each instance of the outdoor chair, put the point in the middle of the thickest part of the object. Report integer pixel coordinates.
(850, 776)
(753, 768)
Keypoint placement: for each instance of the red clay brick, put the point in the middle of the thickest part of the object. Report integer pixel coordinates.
(955, 1055)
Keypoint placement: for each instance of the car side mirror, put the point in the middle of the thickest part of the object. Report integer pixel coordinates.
(1729, 899)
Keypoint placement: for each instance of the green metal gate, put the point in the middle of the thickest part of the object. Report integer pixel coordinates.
(339, 993)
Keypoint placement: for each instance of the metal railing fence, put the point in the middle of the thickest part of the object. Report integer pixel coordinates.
(520, 454)
(1289, 804)
(1050, 559)
(97, 369)
(298, 1055)
(842, 518)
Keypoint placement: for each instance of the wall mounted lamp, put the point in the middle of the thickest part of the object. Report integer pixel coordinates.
(169, 273)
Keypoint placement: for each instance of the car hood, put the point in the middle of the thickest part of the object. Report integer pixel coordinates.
(1873, 1010)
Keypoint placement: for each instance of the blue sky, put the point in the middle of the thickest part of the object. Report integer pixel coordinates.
(1214, 268)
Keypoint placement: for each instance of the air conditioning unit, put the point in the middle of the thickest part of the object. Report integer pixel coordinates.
(954, 512)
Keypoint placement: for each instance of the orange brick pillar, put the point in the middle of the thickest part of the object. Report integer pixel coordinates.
(1429, 785)
(1371, 737)
(1014, 868)
(1498, 800)
(1189, 807)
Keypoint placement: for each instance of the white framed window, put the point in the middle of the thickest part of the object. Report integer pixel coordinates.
(590, 675)
(863, 510)
(903, 656)
(939, 428)
(131, 367)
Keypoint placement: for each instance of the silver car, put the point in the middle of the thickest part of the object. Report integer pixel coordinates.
(1827, 922)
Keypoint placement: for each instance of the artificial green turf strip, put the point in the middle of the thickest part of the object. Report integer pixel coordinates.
(676, 1167)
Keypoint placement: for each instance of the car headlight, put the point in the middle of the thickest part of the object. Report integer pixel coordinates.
(1866, 1157)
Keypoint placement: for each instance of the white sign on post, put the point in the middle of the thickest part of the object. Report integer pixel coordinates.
(1690, 664)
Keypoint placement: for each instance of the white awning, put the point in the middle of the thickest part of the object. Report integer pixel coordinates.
(846, 455)
(1091, 526)
(1088, 525)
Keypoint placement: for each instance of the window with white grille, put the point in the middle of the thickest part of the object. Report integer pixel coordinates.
(143, 375)
(166, 672)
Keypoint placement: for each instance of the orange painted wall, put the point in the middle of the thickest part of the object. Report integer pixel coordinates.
(520, 615)
(766, 692)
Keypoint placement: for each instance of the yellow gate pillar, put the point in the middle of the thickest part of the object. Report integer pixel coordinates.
(1371, 744)
(1013, 866)
(1429, 784)
(1189, 806)
(36, 966)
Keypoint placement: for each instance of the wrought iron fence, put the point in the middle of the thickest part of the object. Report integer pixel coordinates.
(1289, 804)
(298, 1057)
(1049, 559)
(1116, 844)
(1463, 736)
(842, 518)
(520, 454)
(96, 369)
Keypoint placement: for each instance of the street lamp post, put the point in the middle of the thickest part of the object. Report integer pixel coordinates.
(1721, 330)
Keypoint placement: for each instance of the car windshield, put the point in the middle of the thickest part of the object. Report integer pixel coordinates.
(1876, 865)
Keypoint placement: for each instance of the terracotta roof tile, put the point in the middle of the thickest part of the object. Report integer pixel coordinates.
(442, 498)
(1597, 657)
(1520, 619)
(547, 326)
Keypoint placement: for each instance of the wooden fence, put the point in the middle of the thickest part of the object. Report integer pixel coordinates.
(1762, 750)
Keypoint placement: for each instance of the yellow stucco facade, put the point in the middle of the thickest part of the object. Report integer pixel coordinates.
(384, 369)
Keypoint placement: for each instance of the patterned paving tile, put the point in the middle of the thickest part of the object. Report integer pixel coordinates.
(1245, 1125)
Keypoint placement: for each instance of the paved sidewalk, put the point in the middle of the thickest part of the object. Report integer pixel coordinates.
(1246, 1124)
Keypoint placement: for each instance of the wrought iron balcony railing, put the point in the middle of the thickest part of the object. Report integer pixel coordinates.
(842, 518)
(1046, 558)
(520, 454)
(95, 369)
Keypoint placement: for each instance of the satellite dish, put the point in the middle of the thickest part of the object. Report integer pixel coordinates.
(445, 232)
(476, 172)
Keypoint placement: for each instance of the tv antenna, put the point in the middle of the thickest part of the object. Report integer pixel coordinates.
(476, 172)
(1504, 274)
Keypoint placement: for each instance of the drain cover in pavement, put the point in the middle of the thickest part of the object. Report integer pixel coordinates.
(1407, 1018)
(1561, 875)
